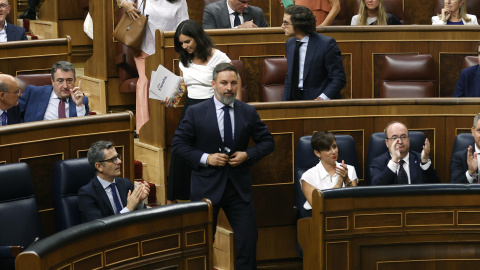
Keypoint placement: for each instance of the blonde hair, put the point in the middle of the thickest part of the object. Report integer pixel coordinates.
(462, 11)
(381, 14)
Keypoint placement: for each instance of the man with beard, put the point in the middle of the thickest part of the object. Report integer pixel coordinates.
(399, 165)
(107, 194)
(213, 136)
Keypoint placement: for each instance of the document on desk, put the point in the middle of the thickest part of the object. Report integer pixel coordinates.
(163, 83)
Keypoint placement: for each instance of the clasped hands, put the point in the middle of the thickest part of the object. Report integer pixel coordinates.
(220, 159)
(135, 197)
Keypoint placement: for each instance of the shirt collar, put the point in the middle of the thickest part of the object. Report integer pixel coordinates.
(219, 105)
(104, 183)
(305, 39)
(54, 96)
(323, 171)
(476, 149)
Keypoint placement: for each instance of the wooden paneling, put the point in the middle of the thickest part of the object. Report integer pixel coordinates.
(34, 56)
(157, 238)
(41, 144)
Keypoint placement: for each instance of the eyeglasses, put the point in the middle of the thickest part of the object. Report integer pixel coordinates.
(395, 137)
(3, 6)
(114, 159)
(18, 92)
(61, 80)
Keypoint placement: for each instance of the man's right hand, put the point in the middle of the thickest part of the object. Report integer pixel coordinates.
(394, 151)
(472, 161)
(134, 198)
(217, 159)
(248, 24)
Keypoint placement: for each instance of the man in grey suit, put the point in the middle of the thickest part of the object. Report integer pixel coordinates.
(233, 14)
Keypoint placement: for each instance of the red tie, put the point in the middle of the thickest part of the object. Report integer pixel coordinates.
(61, 109)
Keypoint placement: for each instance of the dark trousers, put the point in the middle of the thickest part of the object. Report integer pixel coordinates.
(241, 216)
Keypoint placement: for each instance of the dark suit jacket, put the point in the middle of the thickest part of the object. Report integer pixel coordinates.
(216, 16)
(34, 101)
(468, 83)
(323, 70)
(198, 133)
(382, 175)
(13, 115)
(93, 201)
(15, 33)
(459, 167)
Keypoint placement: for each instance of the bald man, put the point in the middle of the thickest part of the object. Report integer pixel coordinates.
(9, 94)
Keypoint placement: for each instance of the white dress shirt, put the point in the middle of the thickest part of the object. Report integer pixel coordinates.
(220, 114)
(52, 108)
(232, 17)
(3, 33)
(108, 189)
(396, 166)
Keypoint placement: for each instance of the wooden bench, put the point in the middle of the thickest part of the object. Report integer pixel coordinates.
(169, 237)
(393, 227)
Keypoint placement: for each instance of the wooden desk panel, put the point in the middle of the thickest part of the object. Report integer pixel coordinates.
(41, 144)
(33, 56)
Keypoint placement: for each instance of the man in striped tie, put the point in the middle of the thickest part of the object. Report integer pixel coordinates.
(108, 194)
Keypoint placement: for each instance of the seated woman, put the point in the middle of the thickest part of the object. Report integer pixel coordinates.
(328, 173)
(454, 12)
(372, 12)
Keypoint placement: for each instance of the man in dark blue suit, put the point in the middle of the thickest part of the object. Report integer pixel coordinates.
(399, 165)
(465, 162)
(59, 100)
(213, 137)
(9, 94)
(233, 14)
(107, 194)
(315, 69)
(9, 32)
(468, 83)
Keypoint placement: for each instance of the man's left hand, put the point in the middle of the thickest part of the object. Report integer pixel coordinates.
(77, 95)
(237, 158)
(425, 151)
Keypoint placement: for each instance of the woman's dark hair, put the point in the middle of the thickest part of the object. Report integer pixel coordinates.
(302, 18)
(204, 43)
(322, 140)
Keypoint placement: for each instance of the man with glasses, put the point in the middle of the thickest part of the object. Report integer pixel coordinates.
(400, 165)
(315, 70)
(465, 162)
(9, 32)
(468, 83)
(59, 100)
(9, 94)
(107, 194)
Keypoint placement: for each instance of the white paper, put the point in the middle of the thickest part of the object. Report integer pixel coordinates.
(163, 83)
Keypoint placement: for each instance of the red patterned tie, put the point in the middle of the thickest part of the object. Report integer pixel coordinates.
(61, 109)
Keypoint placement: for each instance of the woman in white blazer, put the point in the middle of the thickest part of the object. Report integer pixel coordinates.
(454, 12)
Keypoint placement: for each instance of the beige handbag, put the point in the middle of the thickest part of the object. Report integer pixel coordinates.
(130, 32)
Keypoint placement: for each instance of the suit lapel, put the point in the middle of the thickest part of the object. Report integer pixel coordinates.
(122, 190)
(237, 115)
(476, 83)
(413, 167)
(212, 114)
(225, 16)
(72, 108)
(102, 194)
(44, 100)
(311, 49)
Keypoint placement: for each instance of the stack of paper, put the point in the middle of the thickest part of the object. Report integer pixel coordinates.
(165, 84)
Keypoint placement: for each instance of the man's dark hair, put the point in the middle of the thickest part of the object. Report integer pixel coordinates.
(204, 43)
(223, 67)
(302, 18)
(391, 123)
(63, 65)
(322, 140)
(95, 153)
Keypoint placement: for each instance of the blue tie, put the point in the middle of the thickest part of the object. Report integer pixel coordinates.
(236, 21)
(118, 205)
(227, 127)
(4, 118)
